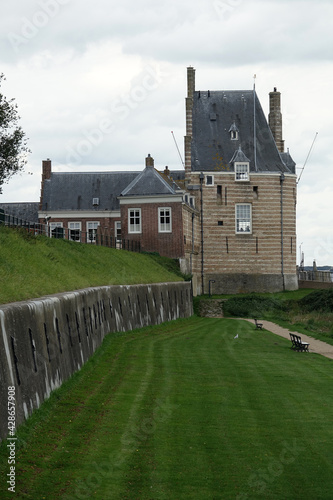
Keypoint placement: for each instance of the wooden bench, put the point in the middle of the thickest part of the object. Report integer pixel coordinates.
(258, 325)
(297, 343)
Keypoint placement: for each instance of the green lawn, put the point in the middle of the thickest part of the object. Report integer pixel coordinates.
(33, 266)
(184, 411)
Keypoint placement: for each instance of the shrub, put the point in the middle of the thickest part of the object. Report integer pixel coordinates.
(320, 300)
(252, 306)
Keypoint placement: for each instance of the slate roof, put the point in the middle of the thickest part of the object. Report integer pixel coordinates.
(76, 190)
(149, 183)
(215, 113)
(25, 211)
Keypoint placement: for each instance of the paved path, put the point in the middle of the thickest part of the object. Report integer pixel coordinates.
(316, 346)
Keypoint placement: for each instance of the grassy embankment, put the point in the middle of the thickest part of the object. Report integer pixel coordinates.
(183, 411)
(32, 266)
(306, 311)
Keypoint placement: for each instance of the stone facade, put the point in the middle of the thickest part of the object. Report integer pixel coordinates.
(263, 256)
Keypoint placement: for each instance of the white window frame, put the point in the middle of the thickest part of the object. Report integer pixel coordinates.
(54, 225)
(134, 227)
(164, 213)
(234, 135)
(242, 172)
(209, 184)
(117, 227)
(74, 226)
(92, 229)
(243, 218)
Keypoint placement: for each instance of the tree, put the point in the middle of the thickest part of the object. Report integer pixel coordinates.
(13, 142)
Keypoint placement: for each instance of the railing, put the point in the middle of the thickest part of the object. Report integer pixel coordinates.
(101, 237)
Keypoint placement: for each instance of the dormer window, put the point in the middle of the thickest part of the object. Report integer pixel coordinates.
(234, 132)
(95, 202)
(241, 172)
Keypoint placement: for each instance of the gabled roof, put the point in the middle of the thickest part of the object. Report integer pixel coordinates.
(212, 145)
(239, 157)
(76, 190)
(149, 183)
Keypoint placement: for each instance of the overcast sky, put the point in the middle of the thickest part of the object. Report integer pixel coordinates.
(101, 84)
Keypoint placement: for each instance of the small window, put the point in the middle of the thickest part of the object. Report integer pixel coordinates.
(243, 218)
(219, 194)
(192, 201)
(234, 135)
(134, 220)
(92, 231)
(117, 227)
(164, 220)
(95, 202)
(241, 171)
(74, 231)
(209, 180)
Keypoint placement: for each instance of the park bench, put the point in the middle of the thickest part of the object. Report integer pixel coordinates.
(258, 325)
(297, 343)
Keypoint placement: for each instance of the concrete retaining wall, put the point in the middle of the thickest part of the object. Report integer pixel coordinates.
(44, 341)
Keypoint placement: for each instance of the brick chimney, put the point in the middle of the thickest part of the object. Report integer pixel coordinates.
(46, 169)
(275, 118)
(149, 161)
(46, 174)
(189, 113)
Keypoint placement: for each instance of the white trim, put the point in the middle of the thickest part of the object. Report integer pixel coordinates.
(160, 230)
(212, 183)
(244, 175)
(139, 215)
(78, 214)
(136, 200)
(244, 231)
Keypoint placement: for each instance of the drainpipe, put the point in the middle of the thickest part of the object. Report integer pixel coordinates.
(192, 253)
(282, 178)
(202, 236)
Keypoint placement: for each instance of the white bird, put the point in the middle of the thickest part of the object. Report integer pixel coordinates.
(236, 336)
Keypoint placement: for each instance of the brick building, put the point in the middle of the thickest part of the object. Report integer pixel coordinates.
(245, 185)
(150, 207)
(229, 217)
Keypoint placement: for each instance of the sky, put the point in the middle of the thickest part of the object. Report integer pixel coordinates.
(101, 84)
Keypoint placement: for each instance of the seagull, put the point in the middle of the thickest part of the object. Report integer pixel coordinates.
(236, 336)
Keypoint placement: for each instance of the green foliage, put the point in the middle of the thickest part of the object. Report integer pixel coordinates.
(32, 266)
(320, 300)
(13, 143)
(252, 306)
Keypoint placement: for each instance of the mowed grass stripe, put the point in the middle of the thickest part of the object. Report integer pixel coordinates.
(185, 410)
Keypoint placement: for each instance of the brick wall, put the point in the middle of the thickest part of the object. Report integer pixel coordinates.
(166, 244)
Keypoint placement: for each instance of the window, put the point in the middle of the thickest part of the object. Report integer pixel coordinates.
(164, 220)
(219, 195)
(242, 171)
(56, 230)
(74, 232)
(95, 202)
(234, 135)
(92, 230)
(243, 218)
(209, 180)
(134, 220)
(117, 230)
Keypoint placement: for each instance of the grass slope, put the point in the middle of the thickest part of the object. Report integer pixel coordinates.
(184, 410)
(34, 266)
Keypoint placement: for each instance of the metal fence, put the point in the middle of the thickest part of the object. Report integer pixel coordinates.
(98, 236)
